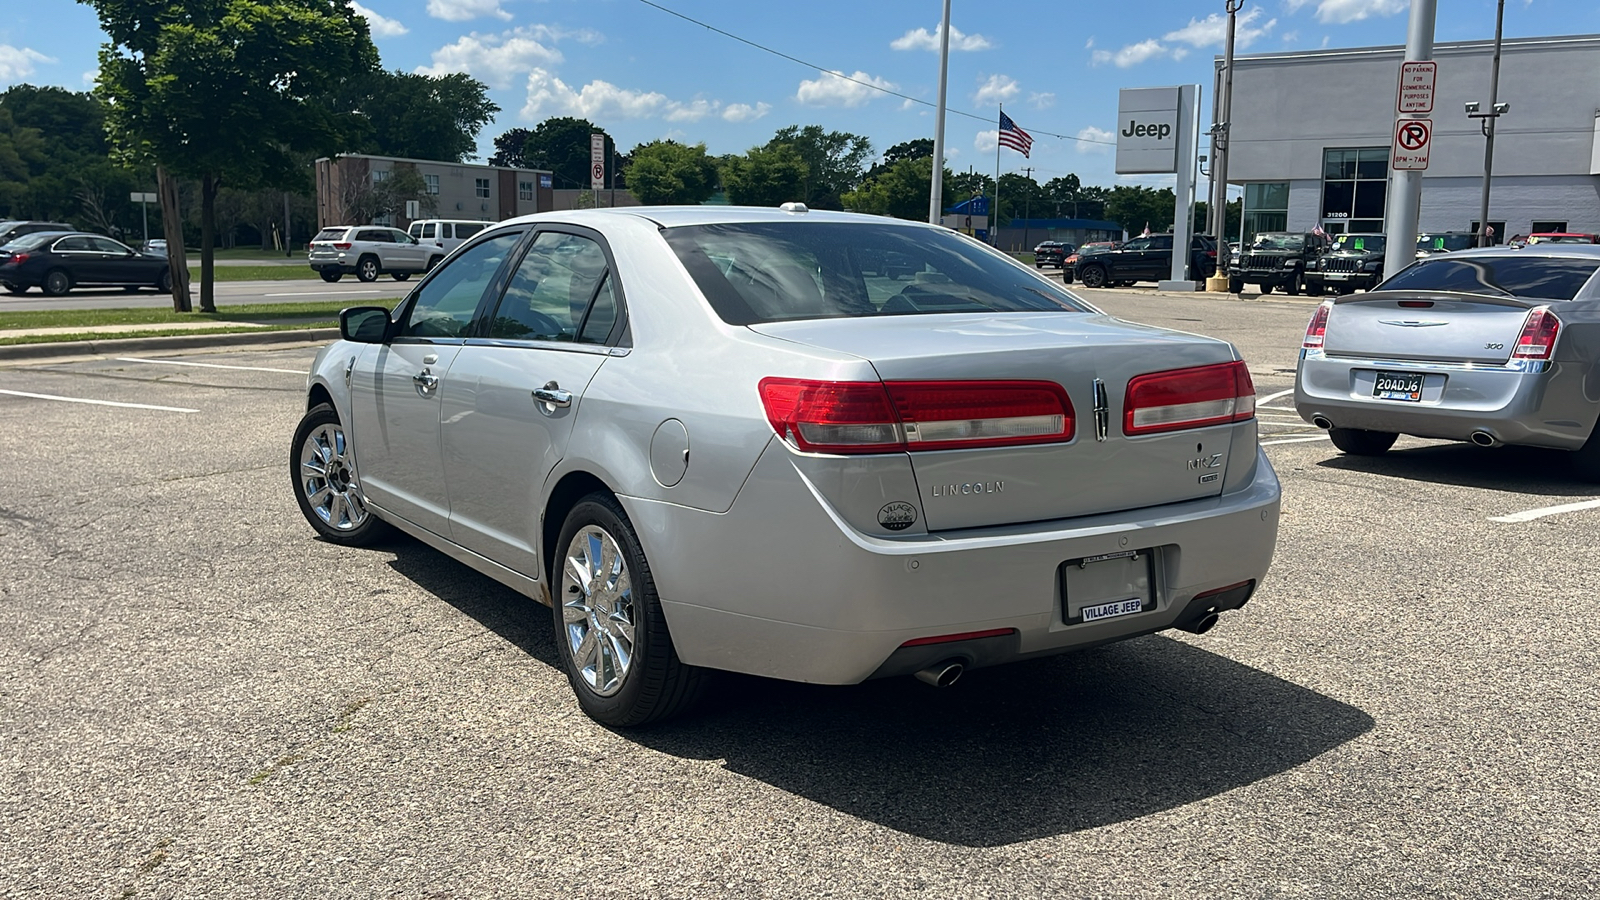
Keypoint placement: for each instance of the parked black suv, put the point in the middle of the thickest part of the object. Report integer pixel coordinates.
(10, 231)
(1355, 261)
(1147, 258)
(1051, 253)
(1277, 259)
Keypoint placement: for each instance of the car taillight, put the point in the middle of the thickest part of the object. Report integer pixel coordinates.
(1188, 398)
(878, 417)
(17, 258)
(341, 245)
(1318, 327)
(1538, 339)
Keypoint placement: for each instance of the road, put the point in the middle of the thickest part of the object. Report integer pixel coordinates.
(200, 699)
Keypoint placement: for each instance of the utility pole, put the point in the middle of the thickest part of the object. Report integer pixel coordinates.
(1496, 110)
(936, 189)
(1222, 110)
(1027, 207)
(1404, 204)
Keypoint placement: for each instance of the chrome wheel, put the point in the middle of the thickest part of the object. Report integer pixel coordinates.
(328, 479)
(597, 610)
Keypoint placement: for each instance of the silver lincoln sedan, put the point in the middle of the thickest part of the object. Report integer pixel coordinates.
(1493, 346)
(813, 446)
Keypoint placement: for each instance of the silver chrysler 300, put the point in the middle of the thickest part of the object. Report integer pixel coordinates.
(813, 446)
(1492, 346)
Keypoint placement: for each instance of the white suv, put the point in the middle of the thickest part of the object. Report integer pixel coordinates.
(368, 251)
(443, 235)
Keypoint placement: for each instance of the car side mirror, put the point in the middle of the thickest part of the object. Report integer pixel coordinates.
(365, 324)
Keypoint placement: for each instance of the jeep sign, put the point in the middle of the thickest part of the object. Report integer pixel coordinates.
(1147, 131)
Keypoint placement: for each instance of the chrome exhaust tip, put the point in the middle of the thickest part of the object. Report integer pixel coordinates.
(942, 674)
(1321, 422)
(1201, 625)
(1484, 439)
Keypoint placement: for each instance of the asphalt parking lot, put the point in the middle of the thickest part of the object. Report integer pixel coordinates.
(199, 699)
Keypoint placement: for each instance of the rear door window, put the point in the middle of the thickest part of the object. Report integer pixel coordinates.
(468, 229)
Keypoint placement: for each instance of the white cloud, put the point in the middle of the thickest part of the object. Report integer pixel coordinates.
(1042, 100)
(1089, 44)
(17, 62)
(382, 26)
(1213, 30)
(834, 89)
(923, 39)
(986, 141)
(1289, 37)
(998, 89)
(497, 59)
(466, 10)
(1134, 54)
(90, 78)
(550, 96)
(744, 112)
(1093, 140)
(1343, 12)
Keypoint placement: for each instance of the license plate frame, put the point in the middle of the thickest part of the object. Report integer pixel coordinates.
(1108, 586)
(1405, 387)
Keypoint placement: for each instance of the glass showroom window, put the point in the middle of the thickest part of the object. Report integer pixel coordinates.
(1353, 186)
(524, 190)
(433, 183)
(483, 187)
(1266, 207)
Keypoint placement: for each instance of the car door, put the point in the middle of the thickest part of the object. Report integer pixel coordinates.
(377, 241)
(407, 254)
(1155, 263)
(514, 395)
(122, 265)
(395, 389)
(1127, 261)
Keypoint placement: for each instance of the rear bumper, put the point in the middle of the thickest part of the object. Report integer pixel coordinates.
(1541, 405)
(780, 586)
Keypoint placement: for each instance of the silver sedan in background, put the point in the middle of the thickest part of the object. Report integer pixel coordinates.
(812, 446)
(1493, 346)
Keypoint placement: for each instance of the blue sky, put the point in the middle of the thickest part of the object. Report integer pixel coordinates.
(642, 73)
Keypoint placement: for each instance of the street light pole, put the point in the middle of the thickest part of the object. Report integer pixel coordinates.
(1221, 111)
(1496, 110)
(936, 189)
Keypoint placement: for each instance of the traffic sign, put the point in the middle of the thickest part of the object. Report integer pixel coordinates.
(1417, 79)
(141, 197)
(1412, 138)
(597, 161)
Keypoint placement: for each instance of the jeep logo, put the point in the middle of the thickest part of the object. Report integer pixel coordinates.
(1158, 131)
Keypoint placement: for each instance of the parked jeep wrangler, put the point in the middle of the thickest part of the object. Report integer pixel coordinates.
(1276, 259)
(1354, 261)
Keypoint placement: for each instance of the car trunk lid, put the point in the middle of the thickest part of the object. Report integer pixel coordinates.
(1431, 327)
(1091, 357)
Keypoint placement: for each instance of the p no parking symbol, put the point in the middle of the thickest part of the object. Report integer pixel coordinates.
(1412, 138)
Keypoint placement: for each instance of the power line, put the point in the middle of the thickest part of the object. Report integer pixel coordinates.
(865, 84)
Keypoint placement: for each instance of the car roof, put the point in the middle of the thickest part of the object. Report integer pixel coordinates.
(1565, 251)
(680, 216)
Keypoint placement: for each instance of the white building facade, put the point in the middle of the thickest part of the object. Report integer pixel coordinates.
(1311, 135)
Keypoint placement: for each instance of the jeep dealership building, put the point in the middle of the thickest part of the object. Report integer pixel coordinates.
(1311, 134)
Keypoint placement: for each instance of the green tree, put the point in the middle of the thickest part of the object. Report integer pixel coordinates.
(664, 172)
(1136, 207)
(560, 144)
(1022, 197)
(424, 116)
(228, 90)
(901, 190)
(766, 176)
(54, 162)
(835, 161)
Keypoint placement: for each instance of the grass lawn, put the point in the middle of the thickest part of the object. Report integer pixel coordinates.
(278, 316)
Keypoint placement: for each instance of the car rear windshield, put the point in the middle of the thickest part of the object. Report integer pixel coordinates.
(1529, 277)
(330, 234)
(767, 272)
(30, 241)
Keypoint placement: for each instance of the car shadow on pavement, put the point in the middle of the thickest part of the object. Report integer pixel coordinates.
(1518, 470)
(1019, 752)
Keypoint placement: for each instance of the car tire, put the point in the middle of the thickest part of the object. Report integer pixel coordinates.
(16, 289)
(399, 276)
(1359, 442)
(1066, 275)
(610, 631)
(1266, 289)
(1313, 289)
(322, 468)
(434, 261)
(1093, 277)
(1038, 265)
(367, 269)
(1585, 461)
(331, 275)
(164, 283)
(56, 282)
(1235, 285)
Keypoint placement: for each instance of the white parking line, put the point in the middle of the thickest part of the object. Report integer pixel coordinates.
(320, 293)
(1287, 409)
(1530, 514)
(1296, 440)
(173, 362)
(99, 402)
(1272, 397)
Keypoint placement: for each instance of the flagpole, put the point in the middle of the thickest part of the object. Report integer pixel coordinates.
(994, 233)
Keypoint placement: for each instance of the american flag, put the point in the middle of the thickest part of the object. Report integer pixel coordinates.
(1014, 137)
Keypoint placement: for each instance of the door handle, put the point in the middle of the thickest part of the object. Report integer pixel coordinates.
(425, 381)
(553, 396)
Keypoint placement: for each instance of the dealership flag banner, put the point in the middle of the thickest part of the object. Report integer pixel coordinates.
(1014, 137)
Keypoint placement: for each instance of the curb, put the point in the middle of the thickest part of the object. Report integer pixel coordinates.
(59, 349)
